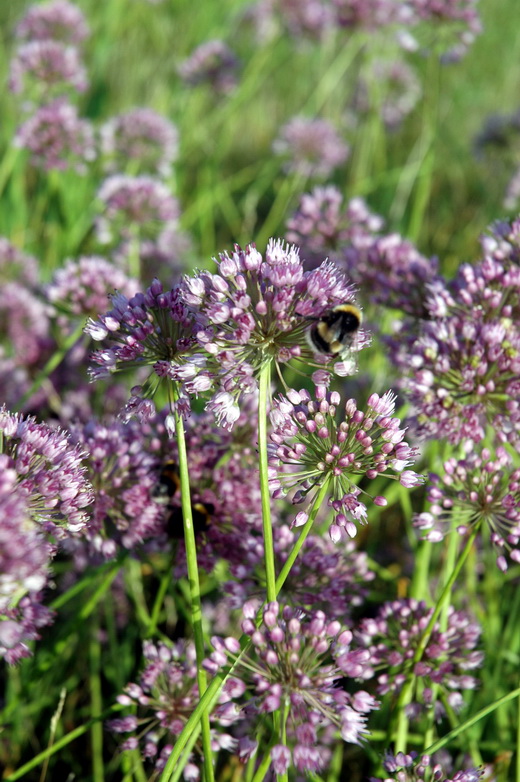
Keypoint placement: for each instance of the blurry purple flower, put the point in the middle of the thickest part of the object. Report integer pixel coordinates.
(512, 196)
(294, 663)
(311, 147)
(211, 63)
(81, 287)
(391, 639)
(57, 138)
(458, 24)
(482, 490)
(43, 70)
(21, 624)
(323, 226)
(167, 257)
(152, 329)
(308, 18)
(135, 208)
(412, 768)
(25, 321)
(389, 87)
(142, 139)
(57, 20)
(464, 368)
(165, 696)
(50, 472)
(371, 14)
(123, 476)
(16, 265)
(308, 447)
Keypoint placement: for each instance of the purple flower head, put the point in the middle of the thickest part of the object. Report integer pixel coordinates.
(392, 637)
(481, 490)
(211, 63)
(44, 70)
(20, 625)
(464, 368)
(398, 86)
(124, 478)
(25, 321)
(57, 138)
(294, 663)
(50, 472)
(152, 329)
(16, 266)
(371, 14)
(311, 147)
(448, 26)
(81, 287)
(412, 768)
(57, 20)
(324, 226)
(259, 309)
(140, 137)
(309, 447)
(165, 697)
(303, 18)
(135, 207)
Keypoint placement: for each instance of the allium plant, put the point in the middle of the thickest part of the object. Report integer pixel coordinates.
(481, 491)
(25, 321)
(141, 139)
(165, 697)
(212, 63)
(395, 88)
(57, 138)
(310, 449)
(57, 20)
(412, 768)
(311, 147)
(293, 665)
(464, 368)
(392, 638)
(308, 18)
(44, 70)
(50, 472)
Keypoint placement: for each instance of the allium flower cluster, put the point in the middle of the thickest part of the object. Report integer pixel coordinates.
(308, 18)
(311, 147)
(25, 321)
(21, 624)
(135, 208)
(124, 478)
(324, 226)
(482, 490)
(397, 91)
(43, 70)
(165, 697)
(57, 138)
(411, 768)
(258, 310)
(293, 665)
(81, 287)
(465, 366)
(211, 63)
(391, 639)
(152, 329)
(57, 20)
(140, 137)
(310, 447)
(50, 473)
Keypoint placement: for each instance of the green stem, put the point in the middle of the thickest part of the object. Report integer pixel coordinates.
(407, 690)
(193, 577)
(270, 573)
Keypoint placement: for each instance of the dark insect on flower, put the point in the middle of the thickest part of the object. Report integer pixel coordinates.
(334, 332)
(167, 488)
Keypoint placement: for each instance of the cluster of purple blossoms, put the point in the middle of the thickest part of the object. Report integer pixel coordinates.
(57, 20)
(50, 473)
(309, 447)
(47, 69)
(166, 695)
(19, 625)
(482, 490)
(25, 320)
(212, 63)
(81, 287)
(391, 640)
(293, 665)
(152, 329)
(411, 768)
(57, 138)
(311, 147)
(323, 226)
(135, 208)
(123, 475)
(395, 88)
(142, 138)
(258, 310)
(464, 368)
(308, 18)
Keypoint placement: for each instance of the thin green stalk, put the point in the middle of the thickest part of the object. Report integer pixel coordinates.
(96, 704)
(406, 692)
(161, 592)
(270, 573)
(518, 741)
(193, 577)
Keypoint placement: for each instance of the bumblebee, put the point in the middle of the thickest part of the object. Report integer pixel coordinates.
(168, 486)
(334, 332)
